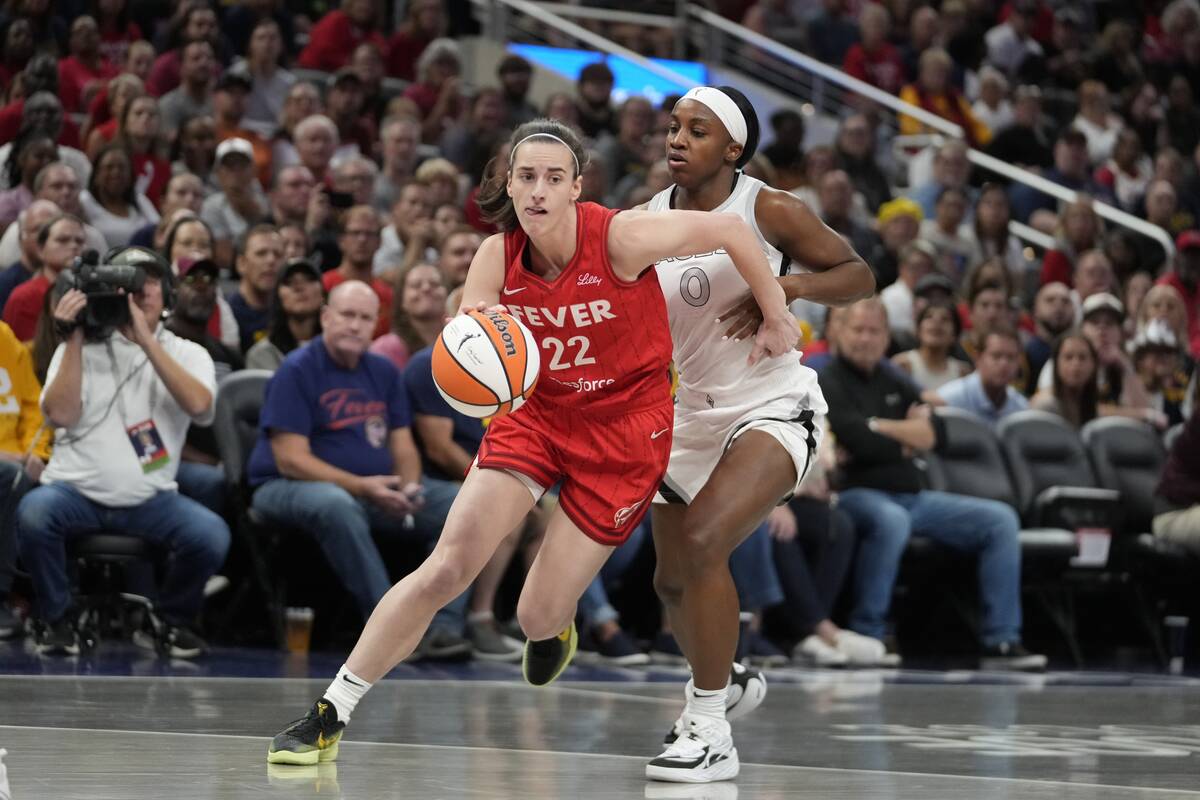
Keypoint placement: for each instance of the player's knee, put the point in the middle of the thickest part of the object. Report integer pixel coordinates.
(445, 576)
(704, 548)
(668, 586)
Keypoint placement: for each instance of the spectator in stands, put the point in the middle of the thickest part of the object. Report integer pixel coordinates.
(1010, 42)
(43, 112)
(341, 472)
(1126, 174)
(193, 96)
(24, 450)
(1072, 393)
(1053, 316)
(836, 195)
(950, 171)
(184, 193)
(988, 392)
(457, 250)
(595, 115)
(562, 107)
(137, 131)
(626, 153)
(442, 180)
(931, 364)
(117, 31)
(469, 143)
(830, 33)
(229, 108)
(39, 75)
(358, 242)
(187, 236)
(1177, 496)
(992, 238)
(195, 151)
(1181, 120)
(199, 25)
(303, 101)
(86, 68)
(259, 262)
(1026, 141)
(1134, 289)
(102, 127)
(29, 224)
(356, 176)
(410, 233)
(333, 39)
(291, 196)
(1120, 390)
(949, 235)
(515, 74)
(987, 307)
(57, 183)
(786, 152)
(879, 421)
(898, 223)
(269, 82)
(345, 104)
(295, 241)
(1169, 166)
(241, 202)
(17, 35)
(1096, 121)
(1164, 303)
(917, 259)
(32, 150)
(437, 90)
(112, 202)
(874, 59)
(316, 142)
(295, 315)
(993, 108)
(924, 32)
(933, 92)
(418, 317)
(1064, 65)
(95, 478)
(855, 146)
(1158, 361)
(400, 140)
(1114, 61)
(1070, 169)
(446, 218)
(1080, 230)
(424, 22)
(1093, 275)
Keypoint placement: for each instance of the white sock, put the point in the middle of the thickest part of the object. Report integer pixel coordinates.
(707, 702)
(345, 692)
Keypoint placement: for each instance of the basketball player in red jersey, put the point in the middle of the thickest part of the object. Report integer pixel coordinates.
(580, 277)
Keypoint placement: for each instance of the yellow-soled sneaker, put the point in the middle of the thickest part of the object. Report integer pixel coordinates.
(310, 739)
(545, 660)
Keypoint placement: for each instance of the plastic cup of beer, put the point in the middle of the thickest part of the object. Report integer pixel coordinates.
(299, 629)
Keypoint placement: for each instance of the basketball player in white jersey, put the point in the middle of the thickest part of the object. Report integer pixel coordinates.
(744, 434)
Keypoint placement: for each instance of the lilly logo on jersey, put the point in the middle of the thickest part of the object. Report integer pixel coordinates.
(510, 348)
(588, 279)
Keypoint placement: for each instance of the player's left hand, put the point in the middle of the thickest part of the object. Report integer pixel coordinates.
(742, 320)
(777, 335)
(138, 330)
(481, 307)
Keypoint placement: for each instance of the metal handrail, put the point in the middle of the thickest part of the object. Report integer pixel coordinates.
(611, 15)
(836, 76)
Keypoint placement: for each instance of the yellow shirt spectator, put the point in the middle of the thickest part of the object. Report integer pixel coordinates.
(20, 414)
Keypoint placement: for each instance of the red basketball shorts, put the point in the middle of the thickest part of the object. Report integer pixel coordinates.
(610, 465)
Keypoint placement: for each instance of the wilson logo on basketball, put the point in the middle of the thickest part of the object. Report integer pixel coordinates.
(501, 323)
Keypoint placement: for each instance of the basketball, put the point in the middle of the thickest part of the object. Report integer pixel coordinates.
(485, 363)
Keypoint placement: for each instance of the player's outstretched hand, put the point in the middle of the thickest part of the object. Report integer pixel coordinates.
(777, 336)
(480, 307)
(385, 491)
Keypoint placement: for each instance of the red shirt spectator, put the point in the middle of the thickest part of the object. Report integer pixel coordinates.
(164, 75)
(1057, 266)
(333, 278)
(332, 41)
(882, 67)
(115, 40)
(10, 125)
(1191, 299)
(404, 49)
(24, 306)
(151, 175)
(74, 77)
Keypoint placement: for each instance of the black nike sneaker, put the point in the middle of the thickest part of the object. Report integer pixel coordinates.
(545, 660)
(747, 688)
(311, 739)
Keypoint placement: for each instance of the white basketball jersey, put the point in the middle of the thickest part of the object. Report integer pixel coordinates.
(701, 287)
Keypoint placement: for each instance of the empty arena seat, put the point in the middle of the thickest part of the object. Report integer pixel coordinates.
(1128, 456)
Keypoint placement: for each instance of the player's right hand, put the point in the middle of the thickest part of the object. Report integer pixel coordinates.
(777, 336)
(386, 492)
(481, 307)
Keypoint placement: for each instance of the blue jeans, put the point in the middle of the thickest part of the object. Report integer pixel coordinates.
(343, 526)
(195, 538)
(885, 521)
(594, 607)
(204, 483)
(752, 565)
(14, 484)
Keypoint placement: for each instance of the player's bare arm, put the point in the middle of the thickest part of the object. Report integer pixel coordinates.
(485, 277)
(639, 238)
(839, 275)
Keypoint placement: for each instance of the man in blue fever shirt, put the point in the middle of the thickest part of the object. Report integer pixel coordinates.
(336, 458)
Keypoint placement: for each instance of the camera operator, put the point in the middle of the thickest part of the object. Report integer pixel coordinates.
(121, 405)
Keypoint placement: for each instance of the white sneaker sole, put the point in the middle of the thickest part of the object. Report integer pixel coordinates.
(721, 771)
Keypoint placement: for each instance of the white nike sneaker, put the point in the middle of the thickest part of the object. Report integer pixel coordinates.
(747, 690)
(702, 754)
(816, 652)
(861, 651)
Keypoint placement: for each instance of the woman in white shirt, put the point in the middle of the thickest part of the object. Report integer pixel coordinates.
(111, 203)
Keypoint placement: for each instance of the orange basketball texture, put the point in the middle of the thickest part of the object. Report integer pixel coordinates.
(485, 363)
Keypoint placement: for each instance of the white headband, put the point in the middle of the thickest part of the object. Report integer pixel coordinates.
(513, 152)
(723, 106)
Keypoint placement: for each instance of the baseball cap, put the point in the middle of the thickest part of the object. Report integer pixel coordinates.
(901, 206)
(1187, 240)
(1101, 302)
(187, 265)
(299, 265)
(933, 282)
(137, 256)
(232, 79)
(235, 146)
(1154, 335)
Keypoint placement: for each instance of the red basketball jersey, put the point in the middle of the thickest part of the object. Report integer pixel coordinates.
(605, 343)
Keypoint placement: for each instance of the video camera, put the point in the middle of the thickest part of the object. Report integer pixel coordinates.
(105, 286)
